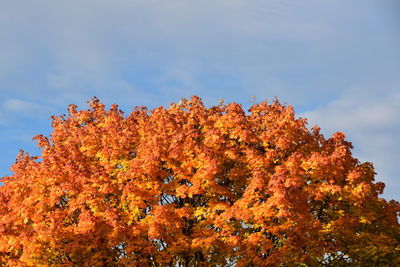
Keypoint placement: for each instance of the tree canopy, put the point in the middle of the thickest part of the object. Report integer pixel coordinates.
(194, 186)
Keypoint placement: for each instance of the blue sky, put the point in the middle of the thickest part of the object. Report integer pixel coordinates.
(336, 62)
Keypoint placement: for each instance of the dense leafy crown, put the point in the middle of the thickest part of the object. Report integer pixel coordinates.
(194, 186)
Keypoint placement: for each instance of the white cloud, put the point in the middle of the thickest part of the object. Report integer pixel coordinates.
(360, 109)
(372, 123)
(18, 107)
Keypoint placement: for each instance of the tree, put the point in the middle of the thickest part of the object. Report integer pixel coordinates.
(194, 186)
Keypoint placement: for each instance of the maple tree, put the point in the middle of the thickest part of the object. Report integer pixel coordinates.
(194, 186)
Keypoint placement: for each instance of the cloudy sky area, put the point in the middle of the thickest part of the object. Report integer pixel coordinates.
(336, 62)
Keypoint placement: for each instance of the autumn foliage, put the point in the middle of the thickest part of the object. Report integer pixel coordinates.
(194, 186)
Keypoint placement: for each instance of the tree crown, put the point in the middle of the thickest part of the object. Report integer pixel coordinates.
(189, 185)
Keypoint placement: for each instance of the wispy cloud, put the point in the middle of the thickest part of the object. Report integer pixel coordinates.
(17, 107)
(285, 48)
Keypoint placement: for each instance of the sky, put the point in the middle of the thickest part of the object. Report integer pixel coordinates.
(336, 62)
